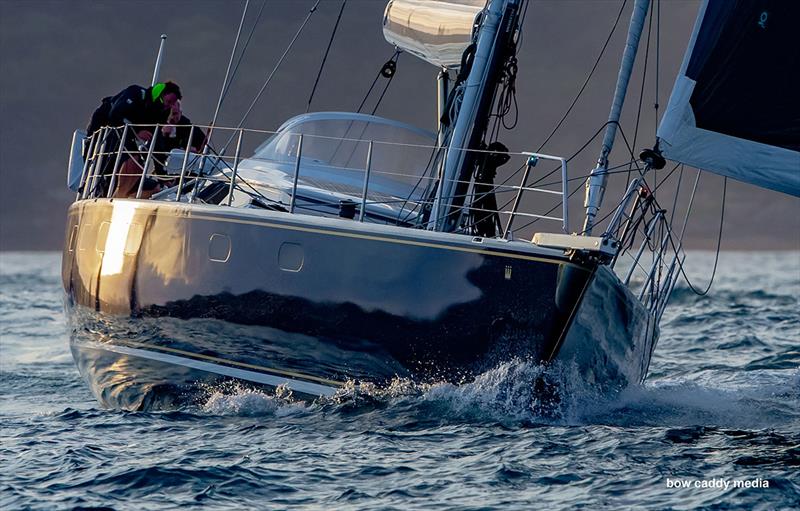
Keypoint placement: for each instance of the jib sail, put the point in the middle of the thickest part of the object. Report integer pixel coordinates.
(735, 107)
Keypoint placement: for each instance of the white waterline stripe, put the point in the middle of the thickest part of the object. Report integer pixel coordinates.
(313, 389)
(271, 370)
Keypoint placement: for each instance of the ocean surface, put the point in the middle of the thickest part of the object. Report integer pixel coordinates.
(719, 413)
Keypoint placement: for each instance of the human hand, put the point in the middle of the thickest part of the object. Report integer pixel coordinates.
(175, 112)
(145, 135)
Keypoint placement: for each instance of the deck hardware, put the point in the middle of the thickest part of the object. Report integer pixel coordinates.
(86, 165)
(147, 161)
(117, 162)
(235, 166)
(183, 166)
(296, 174)
(366, 183)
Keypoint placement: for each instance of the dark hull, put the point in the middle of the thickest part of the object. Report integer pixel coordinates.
(164, 297)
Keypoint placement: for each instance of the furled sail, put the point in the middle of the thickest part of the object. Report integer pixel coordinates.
(436, 31)
(735, 107)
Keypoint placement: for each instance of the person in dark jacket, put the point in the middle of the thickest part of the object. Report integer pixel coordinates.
(143, 108)
(175, 135)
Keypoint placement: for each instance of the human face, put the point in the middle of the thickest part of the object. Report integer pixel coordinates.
(170, 100)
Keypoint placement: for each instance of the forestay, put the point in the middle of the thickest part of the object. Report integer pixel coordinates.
(734, 109)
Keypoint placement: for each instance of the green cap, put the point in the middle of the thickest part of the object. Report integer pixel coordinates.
(158, 89)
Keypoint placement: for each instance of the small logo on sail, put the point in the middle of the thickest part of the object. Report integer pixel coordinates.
(508, 272)
(762, 20)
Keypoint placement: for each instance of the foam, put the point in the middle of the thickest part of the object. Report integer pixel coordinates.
(235, 399)
(523, 392)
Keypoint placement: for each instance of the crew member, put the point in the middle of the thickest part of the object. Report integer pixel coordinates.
(175, 135)
(143, 108)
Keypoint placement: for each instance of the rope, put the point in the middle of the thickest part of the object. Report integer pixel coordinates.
(716, 255)
(325, 57)
(274, 70)
(677, 192)
(588, 78)
(244, 48)
(573, 192)
(230, 63)
(676, 250)
(393, 58)
(522, 25)
(386, 87)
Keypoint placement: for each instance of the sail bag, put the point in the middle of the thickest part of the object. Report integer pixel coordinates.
(437, 31)
(735, 107)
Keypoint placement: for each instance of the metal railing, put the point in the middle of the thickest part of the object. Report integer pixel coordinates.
(653, 280)
(117, 155)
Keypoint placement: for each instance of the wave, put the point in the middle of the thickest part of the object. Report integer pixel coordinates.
(766, 402)
(237, 399)
(523, 394)
(683, 295)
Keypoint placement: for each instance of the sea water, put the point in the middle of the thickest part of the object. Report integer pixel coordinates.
(716, 425)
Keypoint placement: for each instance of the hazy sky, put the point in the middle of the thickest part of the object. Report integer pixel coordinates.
(58, 58)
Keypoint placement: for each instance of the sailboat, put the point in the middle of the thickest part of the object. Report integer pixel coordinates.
(352, 248)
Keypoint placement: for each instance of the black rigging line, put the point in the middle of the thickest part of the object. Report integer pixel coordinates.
(634, 159)
(280, 61)
(521, 26)
(507, 96)
(581, 178)
(221, 160)
(388, 70)
(588, 78)
(325, 57)
(244, 49)
(272, 73)
(555, 169)
(573, 192)
(676, 250)
(658, 185)
(228, 70)
(716, 256)
(433, 160)
(584, 146)
(507, 99)
(677, 192)
(392, 59)
(614, 209)
(388, 83)
(368, 92)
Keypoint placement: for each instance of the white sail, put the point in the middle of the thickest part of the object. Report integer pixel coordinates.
(734, 109)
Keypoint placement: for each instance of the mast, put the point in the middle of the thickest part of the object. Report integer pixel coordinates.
(499, 19)
(596, 184)
(157, 67)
